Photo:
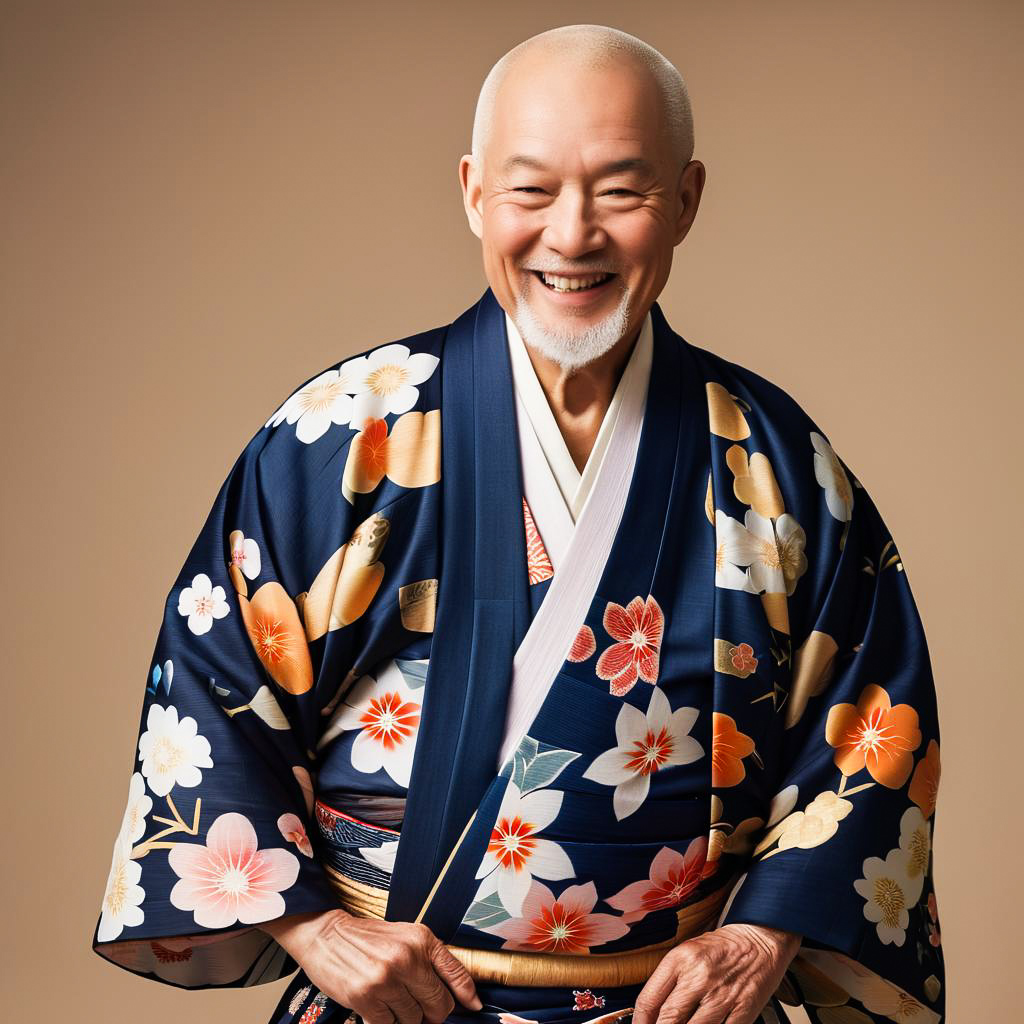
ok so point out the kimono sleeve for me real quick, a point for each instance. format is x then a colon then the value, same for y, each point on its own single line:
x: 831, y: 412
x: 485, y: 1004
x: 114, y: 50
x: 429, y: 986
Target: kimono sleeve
x: 215, y: 835
x: 846, y: 856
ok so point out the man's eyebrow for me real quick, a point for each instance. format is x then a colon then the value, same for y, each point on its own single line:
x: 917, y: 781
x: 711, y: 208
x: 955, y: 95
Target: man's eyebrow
x: 630, y: 163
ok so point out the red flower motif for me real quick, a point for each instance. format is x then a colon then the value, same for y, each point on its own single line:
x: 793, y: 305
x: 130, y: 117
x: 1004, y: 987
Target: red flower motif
x: 742, y: 657
x: 584, y: 645
x: 638, y: 629
x: 586, y: 1000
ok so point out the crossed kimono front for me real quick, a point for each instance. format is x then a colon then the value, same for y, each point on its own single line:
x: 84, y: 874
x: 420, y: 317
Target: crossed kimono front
x: 413, y: 666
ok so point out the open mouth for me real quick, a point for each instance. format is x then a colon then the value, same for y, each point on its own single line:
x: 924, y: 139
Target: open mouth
x: 564, y: 285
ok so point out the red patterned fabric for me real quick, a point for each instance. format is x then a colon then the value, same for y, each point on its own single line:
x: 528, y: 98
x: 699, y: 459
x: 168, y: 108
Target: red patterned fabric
x: 537, y: 561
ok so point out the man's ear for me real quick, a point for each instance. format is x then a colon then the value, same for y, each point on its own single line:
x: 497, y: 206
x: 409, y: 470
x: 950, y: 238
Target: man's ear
x: 472, y: 194
x: 691, y: 187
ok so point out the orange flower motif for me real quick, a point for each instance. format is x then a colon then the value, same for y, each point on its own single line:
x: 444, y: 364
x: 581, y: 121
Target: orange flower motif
x: 272, y: 622
x: 728, y: 748
x: 875, y: 735
x: 410, y: 456
x: 924, y: 786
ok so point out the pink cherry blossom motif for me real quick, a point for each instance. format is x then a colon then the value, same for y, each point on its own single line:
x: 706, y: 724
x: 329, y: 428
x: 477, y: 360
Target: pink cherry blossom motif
x: 291, y: 827
x: 638, y: 629
x: 230, y: 880
x: 584, y: 645
x: 673, y: 877
x: 562, y: 925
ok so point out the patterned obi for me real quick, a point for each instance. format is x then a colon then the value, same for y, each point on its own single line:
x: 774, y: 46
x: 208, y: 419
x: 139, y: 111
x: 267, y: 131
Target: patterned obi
x: 668, y: 893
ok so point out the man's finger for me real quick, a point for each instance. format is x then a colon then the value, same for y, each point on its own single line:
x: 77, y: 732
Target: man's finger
x: 454, y: 974
x: 404, y: 1005
x: 434, y: 998
x: 661, y: 982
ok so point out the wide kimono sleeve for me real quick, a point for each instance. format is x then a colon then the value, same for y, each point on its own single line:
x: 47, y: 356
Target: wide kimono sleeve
x: 279, y: 602
x: 845, y: 856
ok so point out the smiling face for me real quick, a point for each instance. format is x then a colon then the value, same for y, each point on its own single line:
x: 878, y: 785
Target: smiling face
x: 578, y: 181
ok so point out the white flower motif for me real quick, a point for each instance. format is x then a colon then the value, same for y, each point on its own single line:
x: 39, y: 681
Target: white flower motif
x: 123, y: 896
x: 646, y: 743
x: 916, y: 843
x: 382, y: 856
x: 386, y: 711
x: 732, y: 549
x: 387, y: 381
x: 245, y: 553
x: 202, y: 603
x: 829, y: 472
x: 324, y: 400
x: 878, y: 995
x: 172, y: 752
x: 133, y: 825
x: 515, y: 855
x: 774, y: 554
x: 886, y: 886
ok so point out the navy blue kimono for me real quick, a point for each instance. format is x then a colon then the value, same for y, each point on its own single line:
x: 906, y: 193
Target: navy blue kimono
x: 744, y: 726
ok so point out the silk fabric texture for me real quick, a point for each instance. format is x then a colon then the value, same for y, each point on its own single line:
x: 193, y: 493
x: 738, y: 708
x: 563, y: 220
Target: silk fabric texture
x: 748, y: 697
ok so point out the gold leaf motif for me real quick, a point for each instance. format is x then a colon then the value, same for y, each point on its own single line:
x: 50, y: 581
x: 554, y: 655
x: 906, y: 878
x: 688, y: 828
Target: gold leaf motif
x: 348, y: 581
x: 417, y: 603
x: 725, y: 416
x: 755, y: 483
x: 813, y: 666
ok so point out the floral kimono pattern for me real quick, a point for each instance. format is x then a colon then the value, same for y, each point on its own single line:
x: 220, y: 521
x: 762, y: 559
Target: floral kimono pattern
x: 744, y: 727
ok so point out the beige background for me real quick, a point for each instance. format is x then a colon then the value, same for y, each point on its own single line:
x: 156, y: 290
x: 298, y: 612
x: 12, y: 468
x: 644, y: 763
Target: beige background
x: 206, y: 203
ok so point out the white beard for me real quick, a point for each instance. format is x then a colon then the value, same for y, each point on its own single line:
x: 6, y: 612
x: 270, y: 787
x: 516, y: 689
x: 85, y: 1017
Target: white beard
x: 568, y: 348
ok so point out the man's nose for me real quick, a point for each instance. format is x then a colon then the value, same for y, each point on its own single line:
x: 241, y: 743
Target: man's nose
x: 573, y: 227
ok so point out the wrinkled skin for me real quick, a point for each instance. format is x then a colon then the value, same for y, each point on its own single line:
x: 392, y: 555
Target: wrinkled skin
x: 384, y: 970
x: 725, y: 976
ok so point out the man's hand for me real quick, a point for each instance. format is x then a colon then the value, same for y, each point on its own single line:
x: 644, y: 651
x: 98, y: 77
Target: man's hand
x: 386, y: 971
x: 725, y: 976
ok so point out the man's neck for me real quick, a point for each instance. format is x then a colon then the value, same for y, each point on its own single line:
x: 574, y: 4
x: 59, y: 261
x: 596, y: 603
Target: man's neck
x: 580, y: 398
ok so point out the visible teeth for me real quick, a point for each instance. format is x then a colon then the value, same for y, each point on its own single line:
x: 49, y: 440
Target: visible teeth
x: 572, y: 284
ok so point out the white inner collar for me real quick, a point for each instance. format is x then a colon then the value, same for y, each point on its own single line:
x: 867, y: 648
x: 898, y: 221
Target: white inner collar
x: 573, y: 485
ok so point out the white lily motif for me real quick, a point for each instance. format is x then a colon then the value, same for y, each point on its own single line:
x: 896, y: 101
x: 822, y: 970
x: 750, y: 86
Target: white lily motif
x: 646, y: 744
x: 383, y: 856
x: 515, y: 854
x: 386, y: 381
x: 386, y: 711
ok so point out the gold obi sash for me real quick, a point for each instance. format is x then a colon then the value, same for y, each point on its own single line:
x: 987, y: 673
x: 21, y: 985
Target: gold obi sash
x: 513, y: 967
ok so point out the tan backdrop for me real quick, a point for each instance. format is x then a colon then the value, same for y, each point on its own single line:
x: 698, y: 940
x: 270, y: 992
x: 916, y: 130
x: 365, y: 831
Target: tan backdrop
x: 206, y: 202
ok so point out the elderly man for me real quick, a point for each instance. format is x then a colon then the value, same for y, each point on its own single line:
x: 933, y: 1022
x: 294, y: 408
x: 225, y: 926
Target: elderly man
x: 543, y: 666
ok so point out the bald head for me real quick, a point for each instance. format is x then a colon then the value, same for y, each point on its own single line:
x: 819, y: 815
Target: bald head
x: 592, y: 48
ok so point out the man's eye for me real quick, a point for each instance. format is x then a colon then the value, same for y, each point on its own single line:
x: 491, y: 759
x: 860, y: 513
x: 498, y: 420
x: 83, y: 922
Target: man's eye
x: 528, y: 188
x: 624, y: 191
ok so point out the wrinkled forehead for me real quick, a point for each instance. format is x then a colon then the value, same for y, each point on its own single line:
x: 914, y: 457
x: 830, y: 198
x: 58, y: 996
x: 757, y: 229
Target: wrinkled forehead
x: 553, y: 106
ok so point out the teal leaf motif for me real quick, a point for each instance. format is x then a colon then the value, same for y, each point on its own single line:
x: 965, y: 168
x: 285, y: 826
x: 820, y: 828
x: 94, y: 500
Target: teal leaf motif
x: 486, y: 913
x: 532, y: 768
x: 414, y: 672
x: 545, y: 768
